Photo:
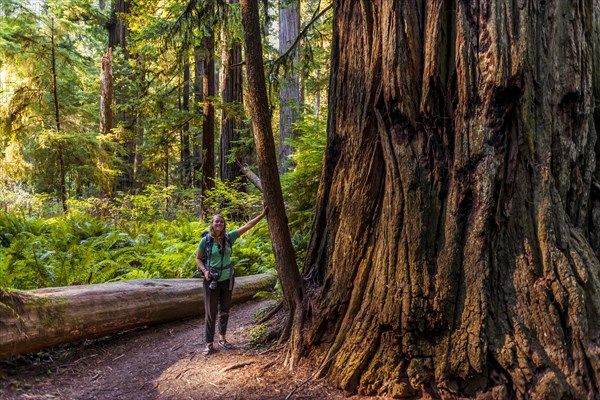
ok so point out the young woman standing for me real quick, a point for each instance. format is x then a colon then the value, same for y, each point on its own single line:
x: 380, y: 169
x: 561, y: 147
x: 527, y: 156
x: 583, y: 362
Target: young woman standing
x: 217, y: 297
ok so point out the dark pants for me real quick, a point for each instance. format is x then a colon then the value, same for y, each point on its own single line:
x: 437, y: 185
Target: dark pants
x: 216, y: 300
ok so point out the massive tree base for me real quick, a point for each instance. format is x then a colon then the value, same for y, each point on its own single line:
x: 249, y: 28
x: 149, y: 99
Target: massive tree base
x: 455, y: 245
x: 36, y: 319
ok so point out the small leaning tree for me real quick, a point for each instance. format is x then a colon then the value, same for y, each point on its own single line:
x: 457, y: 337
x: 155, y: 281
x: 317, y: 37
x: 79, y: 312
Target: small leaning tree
x: 258, y: 103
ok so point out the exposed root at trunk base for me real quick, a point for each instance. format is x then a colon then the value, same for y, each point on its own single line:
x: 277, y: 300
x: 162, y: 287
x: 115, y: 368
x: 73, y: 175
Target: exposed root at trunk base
x: 294, y: 344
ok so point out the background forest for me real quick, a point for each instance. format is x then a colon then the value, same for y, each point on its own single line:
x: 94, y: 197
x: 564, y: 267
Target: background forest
x: 123, y: 129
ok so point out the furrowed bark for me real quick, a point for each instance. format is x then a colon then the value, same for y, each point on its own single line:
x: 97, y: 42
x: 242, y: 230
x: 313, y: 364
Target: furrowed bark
x: 453, y: 248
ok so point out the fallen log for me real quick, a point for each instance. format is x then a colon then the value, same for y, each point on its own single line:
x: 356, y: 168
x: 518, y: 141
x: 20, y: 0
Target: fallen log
x: 36, y: 319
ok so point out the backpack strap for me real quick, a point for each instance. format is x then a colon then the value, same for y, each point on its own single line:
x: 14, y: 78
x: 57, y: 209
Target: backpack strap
x: 207, y: 249
x: 230, y: 266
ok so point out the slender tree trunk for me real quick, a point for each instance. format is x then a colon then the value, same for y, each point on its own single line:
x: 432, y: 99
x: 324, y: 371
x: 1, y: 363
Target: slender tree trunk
x: 106, y: 102
x: 451, y: 250
x: 118, y: 34
x: 61, y: 157
x: 208, y: 126
x: 231, y: 95
x: 139, y: 155
x: 285, y: 259
x: 167, y: 166
x: 106, y: 97
x: 186, y: 154
x: 318, y: 98
x: 289, y: 88
x: 198, y: 99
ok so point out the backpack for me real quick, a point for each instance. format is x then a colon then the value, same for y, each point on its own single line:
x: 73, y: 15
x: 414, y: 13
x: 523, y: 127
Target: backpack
x: 206, y: 256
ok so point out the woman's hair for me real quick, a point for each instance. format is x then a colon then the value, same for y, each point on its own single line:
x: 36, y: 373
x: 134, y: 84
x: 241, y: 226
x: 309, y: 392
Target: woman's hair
x: 212, y: 230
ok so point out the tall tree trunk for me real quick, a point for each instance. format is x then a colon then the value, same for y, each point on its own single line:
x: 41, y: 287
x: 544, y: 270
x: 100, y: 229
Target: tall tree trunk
x: 231, y: 95
x: 289, y: 88
x: 285, y: 258
x: 317, y: 97
x: 118, y: 34
x: 60, y: 150
x: 139, y: 156
x: 186, y: 154
x: 106, y: 97
x: 198, y: 99
x: 106, y: 102
x: 208, y: 126
x: 167, y: 166
x: 451, y: 251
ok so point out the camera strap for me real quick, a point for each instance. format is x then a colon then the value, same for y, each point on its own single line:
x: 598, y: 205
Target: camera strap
x: 208, y: 248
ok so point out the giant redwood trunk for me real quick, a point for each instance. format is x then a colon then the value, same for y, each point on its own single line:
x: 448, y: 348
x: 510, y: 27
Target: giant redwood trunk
x: 452, y: 252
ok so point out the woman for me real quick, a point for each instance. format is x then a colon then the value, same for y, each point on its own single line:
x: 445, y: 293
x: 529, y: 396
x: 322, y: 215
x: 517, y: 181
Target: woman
x: 217, y: 297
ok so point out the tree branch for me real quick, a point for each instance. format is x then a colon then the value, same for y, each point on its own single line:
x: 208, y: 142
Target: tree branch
x: 252, y: 177
x: 300, y: 36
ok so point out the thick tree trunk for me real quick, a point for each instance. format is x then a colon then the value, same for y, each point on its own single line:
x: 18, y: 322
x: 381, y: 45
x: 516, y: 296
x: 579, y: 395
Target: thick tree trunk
x: 289, y: 87
x: 231, y: 95
x: 451, y: 247
x: 285, y: 258
x: 36, y: 319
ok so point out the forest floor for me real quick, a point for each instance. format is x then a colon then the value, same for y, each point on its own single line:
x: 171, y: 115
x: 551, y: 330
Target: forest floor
x: 164, y: 362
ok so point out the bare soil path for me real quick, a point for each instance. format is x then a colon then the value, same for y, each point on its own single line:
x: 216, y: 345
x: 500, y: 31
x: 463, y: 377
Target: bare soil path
x: 162, y: 362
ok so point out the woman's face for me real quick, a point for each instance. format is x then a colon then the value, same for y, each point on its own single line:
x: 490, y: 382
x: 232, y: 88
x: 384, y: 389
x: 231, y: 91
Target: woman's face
x: 218, y: 224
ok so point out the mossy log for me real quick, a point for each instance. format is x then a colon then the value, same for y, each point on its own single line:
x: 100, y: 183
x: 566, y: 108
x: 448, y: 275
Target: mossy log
x: 36, y: 319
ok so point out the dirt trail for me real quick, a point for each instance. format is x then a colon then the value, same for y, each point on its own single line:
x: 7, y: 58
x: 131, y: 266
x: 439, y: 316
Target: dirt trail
x: 162, y: 362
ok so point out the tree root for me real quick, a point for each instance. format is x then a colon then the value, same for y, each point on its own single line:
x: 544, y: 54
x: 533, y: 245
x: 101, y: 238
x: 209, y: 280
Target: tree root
x: 270, y: 314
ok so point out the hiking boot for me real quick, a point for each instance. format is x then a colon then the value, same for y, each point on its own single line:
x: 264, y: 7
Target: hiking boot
x: 209, y: 349
x: 226, y: 345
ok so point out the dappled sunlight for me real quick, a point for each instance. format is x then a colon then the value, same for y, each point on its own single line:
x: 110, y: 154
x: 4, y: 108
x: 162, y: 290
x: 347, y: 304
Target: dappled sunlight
x: 230, y: 375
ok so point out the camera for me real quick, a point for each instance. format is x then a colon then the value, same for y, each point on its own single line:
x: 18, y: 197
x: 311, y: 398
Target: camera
x: 214, y: 277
